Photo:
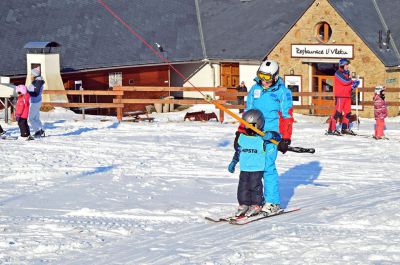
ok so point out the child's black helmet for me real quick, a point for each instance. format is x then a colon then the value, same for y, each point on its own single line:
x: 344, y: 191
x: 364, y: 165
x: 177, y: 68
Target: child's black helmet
x: 255, y: 118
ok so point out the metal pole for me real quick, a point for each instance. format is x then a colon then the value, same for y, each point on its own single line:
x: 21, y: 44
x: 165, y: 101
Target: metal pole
x: 358, y: 119
x: 6, y: 110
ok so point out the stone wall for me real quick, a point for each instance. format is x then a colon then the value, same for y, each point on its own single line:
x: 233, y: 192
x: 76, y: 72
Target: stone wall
x: 365, y: 63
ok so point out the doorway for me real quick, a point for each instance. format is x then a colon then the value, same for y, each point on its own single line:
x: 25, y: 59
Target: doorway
x: 230, y: 75
x: 323, y: 75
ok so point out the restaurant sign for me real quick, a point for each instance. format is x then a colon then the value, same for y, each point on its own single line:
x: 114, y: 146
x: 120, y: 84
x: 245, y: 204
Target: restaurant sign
x: 322, y: 51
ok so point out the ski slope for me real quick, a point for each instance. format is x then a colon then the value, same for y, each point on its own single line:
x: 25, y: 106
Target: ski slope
x: 99, y: 192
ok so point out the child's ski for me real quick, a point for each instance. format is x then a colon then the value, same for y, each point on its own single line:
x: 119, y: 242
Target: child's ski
x: 223, y: 219
x: 262, y: 215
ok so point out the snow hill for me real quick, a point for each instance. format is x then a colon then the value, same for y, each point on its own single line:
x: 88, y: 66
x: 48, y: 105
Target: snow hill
x: 98, y: 192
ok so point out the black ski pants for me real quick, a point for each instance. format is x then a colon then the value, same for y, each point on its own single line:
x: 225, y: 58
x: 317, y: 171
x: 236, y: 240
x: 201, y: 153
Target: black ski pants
x: 250, y: 188
x: 24, y: 127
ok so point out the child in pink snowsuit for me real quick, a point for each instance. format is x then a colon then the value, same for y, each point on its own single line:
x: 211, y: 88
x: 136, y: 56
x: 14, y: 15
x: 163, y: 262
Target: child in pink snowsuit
x: 22, y: 112
x: 380, y: 111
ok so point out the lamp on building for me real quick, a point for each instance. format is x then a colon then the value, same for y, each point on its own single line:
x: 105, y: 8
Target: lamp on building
x: 291, y: 72
x: 353, y: 74
x: 160, y: 48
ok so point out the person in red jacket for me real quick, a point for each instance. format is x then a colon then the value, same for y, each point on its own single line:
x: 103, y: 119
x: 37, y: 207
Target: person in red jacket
x: 343, y: 85
x: 22, y: 112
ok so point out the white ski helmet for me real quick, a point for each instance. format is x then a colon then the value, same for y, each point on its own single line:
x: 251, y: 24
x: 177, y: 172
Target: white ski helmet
x: 268, y: 70
x: 255, y: 118
x: 379, y: 89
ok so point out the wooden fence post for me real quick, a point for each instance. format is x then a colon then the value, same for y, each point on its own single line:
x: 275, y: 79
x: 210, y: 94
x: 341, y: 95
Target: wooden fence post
x: 119, y: 109
x: 221, y: 116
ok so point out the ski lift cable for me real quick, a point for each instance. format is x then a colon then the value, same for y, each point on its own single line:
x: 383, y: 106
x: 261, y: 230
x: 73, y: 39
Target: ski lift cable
x: 208, y: 98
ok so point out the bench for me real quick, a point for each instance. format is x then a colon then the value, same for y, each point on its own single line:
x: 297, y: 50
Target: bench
x: 135, y: 116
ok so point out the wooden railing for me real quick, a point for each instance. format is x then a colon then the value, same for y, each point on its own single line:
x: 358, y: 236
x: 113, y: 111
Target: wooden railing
x: 83, y: 93
x: 118, y: 100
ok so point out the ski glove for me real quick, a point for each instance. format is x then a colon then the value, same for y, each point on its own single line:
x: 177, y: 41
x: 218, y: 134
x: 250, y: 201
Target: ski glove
x: 17, y: 117
x: 272, y: 135
x: 355, y: 84
x: 283, y: 145
x: 232, y: 165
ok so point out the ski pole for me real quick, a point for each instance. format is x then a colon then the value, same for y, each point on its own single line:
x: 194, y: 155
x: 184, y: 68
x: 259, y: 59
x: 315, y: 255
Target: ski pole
x: 221, y: 107
x: 358, y: 119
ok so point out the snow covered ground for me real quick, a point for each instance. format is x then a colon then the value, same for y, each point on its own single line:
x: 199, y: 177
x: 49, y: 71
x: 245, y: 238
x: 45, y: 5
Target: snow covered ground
x: 99, y: 192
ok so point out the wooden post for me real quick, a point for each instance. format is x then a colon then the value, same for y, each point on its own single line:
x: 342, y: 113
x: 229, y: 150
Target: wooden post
x: 83, y: 108
x: 221, y: 116
x: 119, y: 109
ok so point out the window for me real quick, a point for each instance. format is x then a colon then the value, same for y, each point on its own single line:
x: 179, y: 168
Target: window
x: 293, y: 82
x: 323, y: 32
x: 115, y: 79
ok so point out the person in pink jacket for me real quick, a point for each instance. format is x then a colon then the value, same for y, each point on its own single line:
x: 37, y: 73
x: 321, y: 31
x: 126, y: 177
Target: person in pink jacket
x: 22, y: 112
x: 380, y: 111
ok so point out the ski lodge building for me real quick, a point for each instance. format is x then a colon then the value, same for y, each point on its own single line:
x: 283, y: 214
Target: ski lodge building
x: 212, y: 43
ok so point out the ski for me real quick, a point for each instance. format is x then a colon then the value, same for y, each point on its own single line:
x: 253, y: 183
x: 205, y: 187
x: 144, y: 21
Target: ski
x: 262, y: 215
x: 333, y: 134
x: 223, y: 219
x: 8, y: 137
x: 297, y: 149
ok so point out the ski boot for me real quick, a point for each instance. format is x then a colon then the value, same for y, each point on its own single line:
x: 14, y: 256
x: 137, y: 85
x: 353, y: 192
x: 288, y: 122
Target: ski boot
x: 335, y: 132
x: 253, y: 210
x: 348, y: 131
x: 39, y: 133
x: 241, y: 210
x: 2, y: 133
x: 26, y: 138
x: 271, y: 209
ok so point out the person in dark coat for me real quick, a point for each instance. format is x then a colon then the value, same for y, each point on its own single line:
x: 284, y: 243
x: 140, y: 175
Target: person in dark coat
x: 2, y: 131
x: 35, y: 90
x: 240, y: 99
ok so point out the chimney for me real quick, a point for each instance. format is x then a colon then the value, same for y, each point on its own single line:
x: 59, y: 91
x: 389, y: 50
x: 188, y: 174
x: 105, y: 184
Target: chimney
x: 46, y: 56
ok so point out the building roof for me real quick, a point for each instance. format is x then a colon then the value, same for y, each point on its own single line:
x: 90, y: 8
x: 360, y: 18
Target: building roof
x: 91, y: 38
x: 235, y: 29
x: 367, y: 18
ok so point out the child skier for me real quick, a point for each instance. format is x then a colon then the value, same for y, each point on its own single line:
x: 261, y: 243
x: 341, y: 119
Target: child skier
x: 22, y: 112
x: 380, y: 111
x: 250, y: 152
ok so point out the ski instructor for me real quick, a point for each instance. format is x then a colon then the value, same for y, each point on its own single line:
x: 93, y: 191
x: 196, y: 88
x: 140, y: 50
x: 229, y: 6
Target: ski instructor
x: 270, y: 95
x: 343, y: 85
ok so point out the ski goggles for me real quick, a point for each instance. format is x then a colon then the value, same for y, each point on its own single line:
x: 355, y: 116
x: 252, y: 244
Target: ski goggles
x: 265, y: 77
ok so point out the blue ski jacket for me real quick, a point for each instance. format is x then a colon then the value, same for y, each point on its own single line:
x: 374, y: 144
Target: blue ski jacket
x: 252, y: 153
x: 271, y: 101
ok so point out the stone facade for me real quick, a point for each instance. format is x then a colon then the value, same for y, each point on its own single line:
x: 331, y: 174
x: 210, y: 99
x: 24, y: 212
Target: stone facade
x: 365, y: 63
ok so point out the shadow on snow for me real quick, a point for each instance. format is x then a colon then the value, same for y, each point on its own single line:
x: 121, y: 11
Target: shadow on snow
x: 304, y: 174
